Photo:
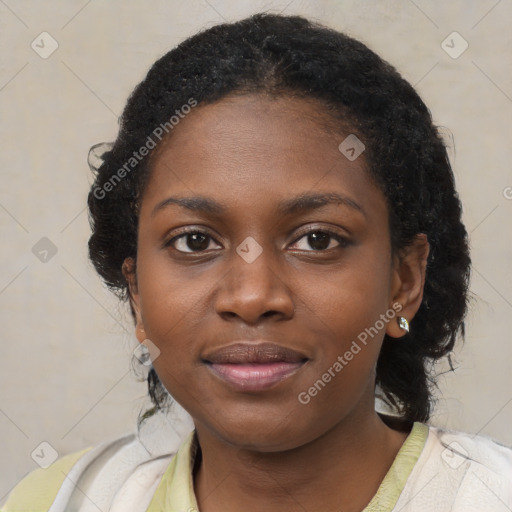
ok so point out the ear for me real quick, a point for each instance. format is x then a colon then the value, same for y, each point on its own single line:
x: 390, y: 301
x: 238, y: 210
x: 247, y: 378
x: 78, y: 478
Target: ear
x: 408, y: 280
x: 129, y: 270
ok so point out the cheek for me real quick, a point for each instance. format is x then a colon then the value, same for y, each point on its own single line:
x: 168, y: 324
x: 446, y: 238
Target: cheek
x: 348, y: 314
x: 349, y: 301
x: 351, y: 335
x: 172, y: 301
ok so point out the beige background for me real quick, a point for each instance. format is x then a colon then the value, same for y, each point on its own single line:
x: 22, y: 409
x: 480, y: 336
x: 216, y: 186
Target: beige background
x: 66, y: 343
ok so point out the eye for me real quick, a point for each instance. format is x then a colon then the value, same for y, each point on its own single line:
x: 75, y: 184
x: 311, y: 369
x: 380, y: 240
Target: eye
x: 320, y: 240
x: 192, y: 241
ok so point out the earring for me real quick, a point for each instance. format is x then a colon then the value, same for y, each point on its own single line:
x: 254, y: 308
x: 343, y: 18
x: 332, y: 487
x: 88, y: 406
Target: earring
x: 403, y: 323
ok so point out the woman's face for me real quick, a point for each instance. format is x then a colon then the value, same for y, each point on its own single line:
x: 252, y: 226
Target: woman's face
x: 288, y: 245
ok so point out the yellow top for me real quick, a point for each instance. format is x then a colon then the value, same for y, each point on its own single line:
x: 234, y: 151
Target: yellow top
x: 175, y: 492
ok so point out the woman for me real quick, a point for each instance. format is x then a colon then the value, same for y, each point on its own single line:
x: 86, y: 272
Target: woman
x: 280, y: 213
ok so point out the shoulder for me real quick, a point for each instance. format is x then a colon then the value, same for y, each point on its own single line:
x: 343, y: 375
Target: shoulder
x: 122, y: 466
x: 482, y: 451
x: 37, y: 491
x: 130, y: 466
x: 459, y: 472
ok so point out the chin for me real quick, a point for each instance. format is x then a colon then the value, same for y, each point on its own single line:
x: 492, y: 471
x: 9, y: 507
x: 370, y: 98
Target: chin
x: 264, y: 433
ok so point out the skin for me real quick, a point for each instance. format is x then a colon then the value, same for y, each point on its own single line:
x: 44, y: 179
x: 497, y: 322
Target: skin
x: 265, y: 450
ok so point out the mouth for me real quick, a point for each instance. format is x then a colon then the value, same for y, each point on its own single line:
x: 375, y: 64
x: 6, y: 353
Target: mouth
x: 254, y: 367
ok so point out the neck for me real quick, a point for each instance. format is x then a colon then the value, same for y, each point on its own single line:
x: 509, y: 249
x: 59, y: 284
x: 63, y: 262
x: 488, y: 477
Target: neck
x: 340, y: 470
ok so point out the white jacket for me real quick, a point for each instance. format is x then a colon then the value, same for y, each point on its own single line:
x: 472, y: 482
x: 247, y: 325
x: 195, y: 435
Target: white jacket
x: 455, y: 472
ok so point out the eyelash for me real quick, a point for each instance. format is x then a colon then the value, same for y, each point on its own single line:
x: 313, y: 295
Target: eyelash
x: 342, y: 241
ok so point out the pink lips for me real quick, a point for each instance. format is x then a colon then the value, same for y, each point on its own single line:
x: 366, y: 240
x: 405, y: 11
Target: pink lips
x: 254, y: 367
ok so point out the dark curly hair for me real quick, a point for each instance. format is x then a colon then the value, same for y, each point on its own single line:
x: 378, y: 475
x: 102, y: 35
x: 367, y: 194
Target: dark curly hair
x: 289, y: 55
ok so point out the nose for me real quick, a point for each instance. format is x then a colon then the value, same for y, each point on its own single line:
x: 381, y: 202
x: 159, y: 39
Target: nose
x: 254, y: 291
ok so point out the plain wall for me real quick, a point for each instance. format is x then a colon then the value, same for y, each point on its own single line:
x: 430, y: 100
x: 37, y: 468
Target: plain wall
x: 65, y: 365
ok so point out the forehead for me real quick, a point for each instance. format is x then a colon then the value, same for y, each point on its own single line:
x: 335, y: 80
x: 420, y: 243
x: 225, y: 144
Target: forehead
x: 246, y: 145
x: 251, y: 121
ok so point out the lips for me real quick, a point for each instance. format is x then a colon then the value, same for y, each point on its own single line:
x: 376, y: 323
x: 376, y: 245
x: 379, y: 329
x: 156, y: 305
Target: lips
x: 254, y: 366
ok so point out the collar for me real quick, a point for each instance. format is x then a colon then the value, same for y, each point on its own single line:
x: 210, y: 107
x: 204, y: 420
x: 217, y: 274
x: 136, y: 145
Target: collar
x: 175, y: 493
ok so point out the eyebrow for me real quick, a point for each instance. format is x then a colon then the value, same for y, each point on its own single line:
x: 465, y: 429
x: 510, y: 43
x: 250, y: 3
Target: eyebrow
x: 301, y: 203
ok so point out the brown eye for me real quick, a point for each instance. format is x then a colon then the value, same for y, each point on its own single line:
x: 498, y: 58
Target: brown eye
x: 320, y: 240
x: 191, y: 242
